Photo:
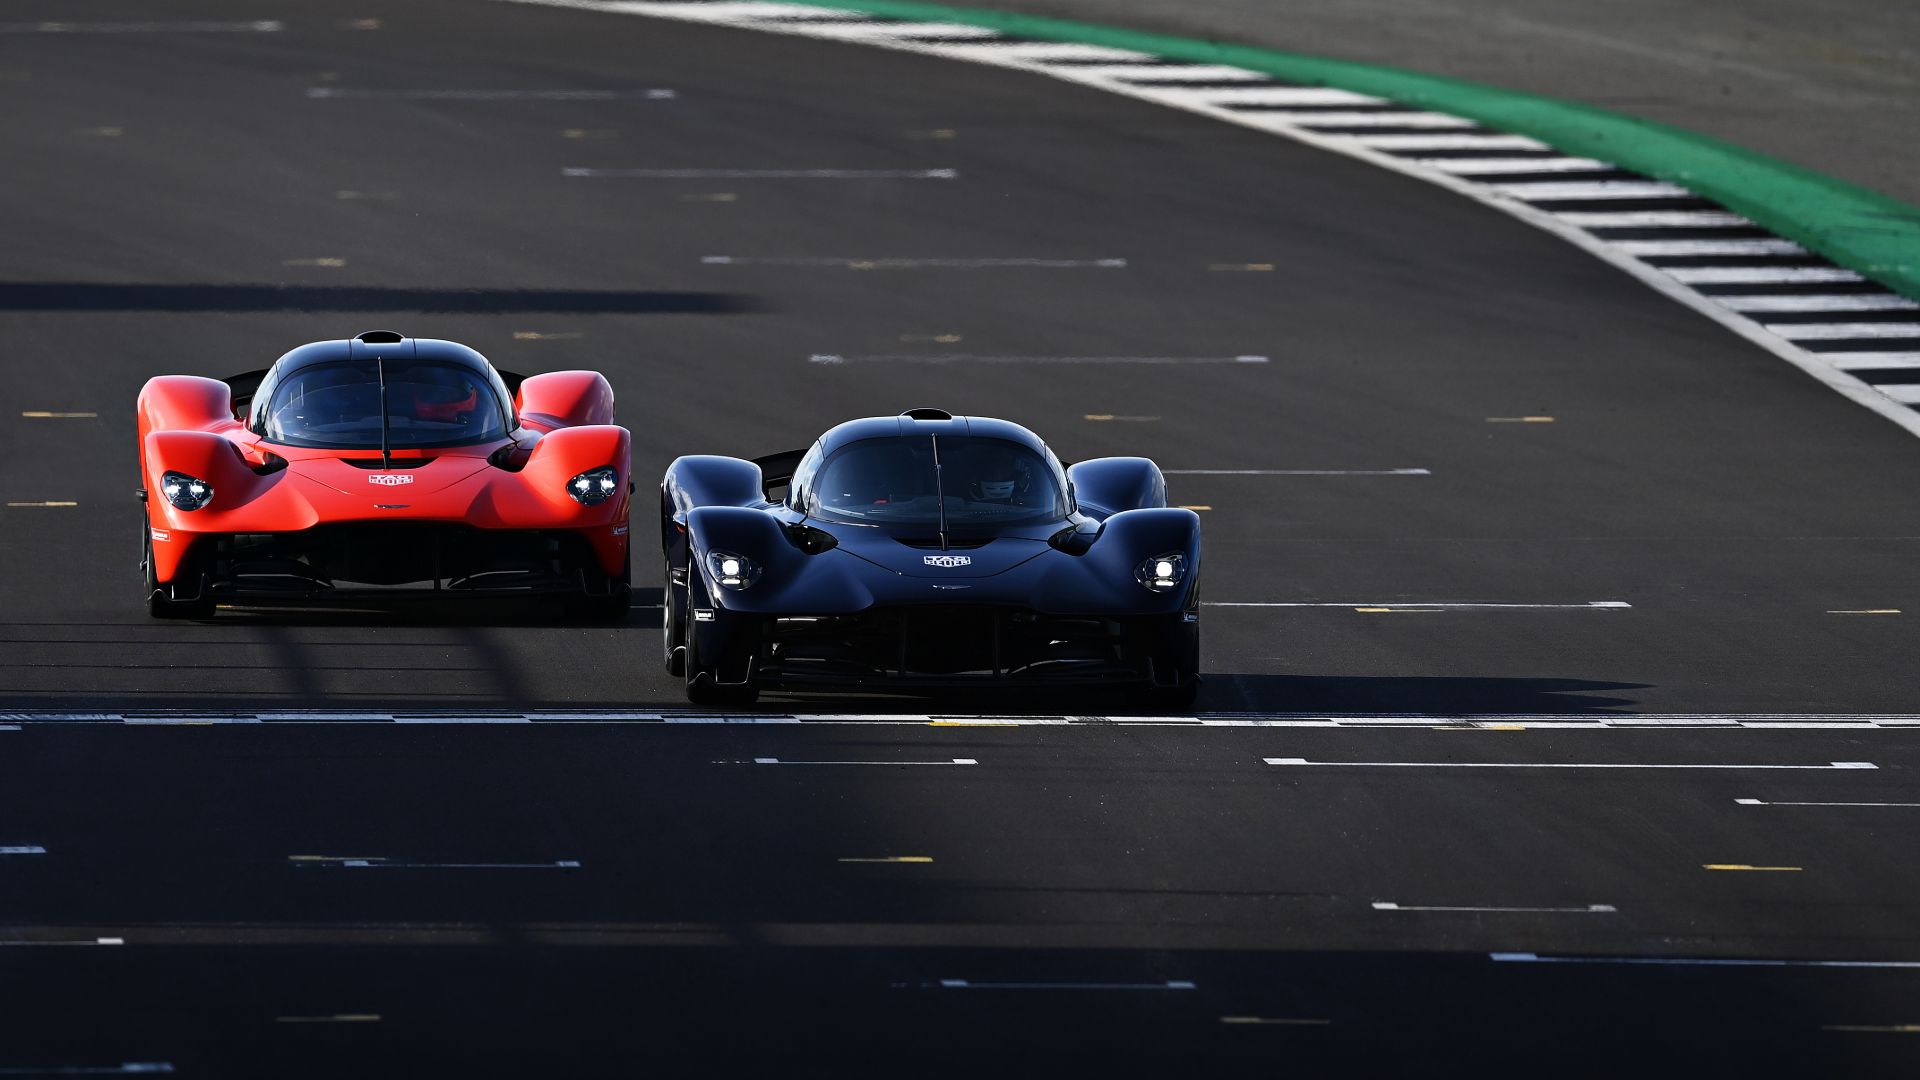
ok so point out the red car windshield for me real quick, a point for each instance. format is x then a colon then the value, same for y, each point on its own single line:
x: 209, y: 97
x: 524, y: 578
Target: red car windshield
x: 356, y: 405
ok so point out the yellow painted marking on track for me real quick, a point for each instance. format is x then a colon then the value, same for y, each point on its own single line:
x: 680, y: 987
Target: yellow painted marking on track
x: 589, y: 133
x: 368, y: 196
x: 1519, y: 419
x: 1891, y: 1029
x: 1479, y: 727
x: 108, y: 131
x: 40, y: 414
x: 544, y: 335
x: 360, y: 24
x: 973, y: 723
x: 712, y: 196
x: 1102, y: 417
x: 1196, y: 507
x: 942, y: 339
x: 1241, y: 268
x: 1397, y: 611
x: 1290, y: 1021
x: 326, y: 261
x: 45, y: 503
x: 1744, y: 866
x: 1867, y: 611
x: 336, y: 1018
x: 892, y: 859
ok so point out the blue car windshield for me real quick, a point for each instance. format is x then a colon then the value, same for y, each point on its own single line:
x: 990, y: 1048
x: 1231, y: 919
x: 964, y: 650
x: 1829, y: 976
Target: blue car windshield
x: 984, y: 481
x: 427, y: 404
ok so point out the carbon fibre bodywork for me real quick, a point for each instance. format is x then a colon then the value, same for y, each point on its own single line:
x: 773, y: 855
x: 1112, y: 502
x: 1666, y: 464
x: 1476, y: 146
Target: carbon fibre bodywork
x: 1057, y: 597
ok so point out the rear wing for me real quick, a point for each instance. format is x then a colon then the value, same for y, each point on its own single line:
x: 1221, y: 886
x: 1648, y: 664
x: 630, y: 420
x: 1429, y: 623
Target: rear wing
x: 776, y: 470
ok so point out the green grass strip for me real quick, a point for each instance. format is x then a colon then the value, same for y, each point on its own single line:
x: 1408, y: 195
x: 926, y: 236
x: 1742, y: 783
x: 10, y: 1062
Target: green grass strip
x: 1857, y: 228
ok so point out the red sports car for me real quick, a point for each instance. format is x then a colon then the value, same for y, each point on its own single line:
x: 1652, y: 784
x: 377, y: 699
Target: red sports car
x: 379, y: 467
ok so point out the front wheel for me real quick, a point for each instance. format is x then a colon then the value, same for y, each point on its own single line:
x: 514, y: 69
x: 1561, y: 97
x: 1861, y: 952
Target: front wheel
x: 673, y: 623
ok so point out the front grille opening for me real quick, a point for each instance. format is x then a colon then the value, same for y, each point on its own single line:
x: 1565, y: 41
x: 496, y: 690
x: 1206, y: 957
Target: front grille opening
x: 396, y: 463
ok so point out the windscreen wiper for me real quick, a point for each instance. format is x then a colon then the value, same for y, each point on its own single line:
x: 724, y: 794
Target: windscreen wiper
x: 939, y: 491
x: 386, y: 453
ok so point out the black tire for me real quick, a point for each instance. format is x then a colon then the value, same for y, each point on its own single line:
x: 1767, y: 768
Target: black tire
x: 701, y: 689
x: 160, y: 602
x: 673, y: 624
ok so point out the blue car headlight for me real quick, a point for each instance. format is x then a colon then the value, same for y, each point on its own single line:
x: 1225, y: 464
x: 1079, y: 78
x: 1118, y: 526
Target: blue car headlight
x: 732, y: 571
x: 595, y: 486
x: 1163, y: 573
x: 185, y: 492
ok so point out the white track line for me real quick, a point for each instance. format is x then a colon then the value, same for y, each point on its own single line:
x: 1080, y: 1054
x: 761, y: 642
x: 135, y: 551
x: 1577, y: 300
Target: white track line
x: 23, y: 849
x: 88, y: 943
x: 966, y: 984
x: 1842, y: 331
x: 856, y: 262
x: 1654, y: 219
x: 1493, y: 166
x: 969, y: 358
x: 1819, y: 302
x: 1584, y: 909
x: 1694, y: 961
x: 1837, y: 765
x: 323, y: 93
x: 764, y: 174
x: 1403, y: 720
x: 261, y: 26
x: 1869, y: 361
x: 1760, y: 275
x: 1145, y: 75
x: 1755, y: 246
x: 1262, y: 95
x: 1445, y: 142
x: 384, y: 864
x: 1042, y: 51
x: 1758, y: 802
x: 778, y: 761
x: 1598, y: 189
x: 1591, y: 605
x: 1296, y: 472
x: 1310, y: 120
x: 857, y: 31
x: 129, y: 1068
x: 1904, y: 393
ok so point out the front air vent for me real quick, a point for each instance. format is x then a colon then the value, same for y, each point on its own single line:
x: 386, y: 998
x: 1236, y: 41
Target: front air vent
x: 956, y: 543
x: 380, y: 337
x: 927, y: 414
x: 396, y: 463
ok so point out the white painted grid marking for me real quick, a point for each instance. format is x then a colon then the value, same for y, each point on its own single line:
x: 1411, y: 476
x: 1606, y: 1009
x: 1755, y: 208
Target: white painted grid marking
x: 1296, y: 472
x: 1594, y: 721
x: 1831, y: 766
x: 1489, y: 141
x: 1583, y: 909
x: 1263, y: 95
x: 1695, y: 961
x: 763, y: 174
x: 1740, y: 246
x: 1842, y: 331
x: 259, y: 26
x: 337, y: 93
x: 1867, y: 361
x: 972, y: 358
x: 860, y: 262
x: 1758, y: 802
x: 1311, y: 120
x: 1494, y: 166
x: 1820, y: 302
x: 1760, y: 275
x: 966, y: 984
x: 1448, y: 605
x: 1598, y: 189
x: 1654, y: 219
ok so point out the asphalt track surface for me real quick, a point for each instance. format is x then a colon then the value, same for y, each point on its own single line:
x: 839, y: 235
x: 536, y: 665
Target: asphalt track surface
x: 1100, y: 896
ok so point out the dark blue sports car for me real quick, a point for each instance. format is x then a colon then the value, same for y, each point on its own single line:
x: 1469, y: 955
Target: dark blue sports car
x: 927, y: 550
